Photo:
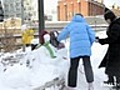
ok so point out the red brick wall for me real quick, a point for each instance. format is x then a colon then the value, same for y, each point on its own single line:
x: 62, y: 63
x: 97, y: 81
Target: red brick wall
x: 67, y: 8
x: 84, y: 7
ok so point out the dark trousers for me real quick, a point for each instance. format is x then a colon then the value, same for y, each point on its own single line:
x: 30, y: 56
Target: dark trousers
x: 72, y: 75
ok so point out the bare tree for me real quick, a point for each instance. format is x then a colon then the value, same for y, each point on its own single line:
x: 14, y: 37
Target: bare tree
x: 9, y: 41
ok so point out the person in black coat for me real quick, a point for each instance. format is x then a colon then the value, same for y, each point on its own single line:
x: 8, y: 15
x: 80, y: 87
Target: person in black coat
x: 111, y: 61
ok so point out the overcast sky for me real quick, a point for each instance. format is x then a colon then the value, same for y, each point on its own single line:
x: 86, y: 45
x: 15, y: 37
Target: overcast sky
x: 111, y: 2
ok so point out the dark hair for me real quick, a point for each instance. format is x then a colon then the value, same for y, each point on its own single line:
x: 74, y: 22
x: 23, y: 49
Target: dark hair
x: 79, y: 14
x: 42, y: 33
x: 53, y: 38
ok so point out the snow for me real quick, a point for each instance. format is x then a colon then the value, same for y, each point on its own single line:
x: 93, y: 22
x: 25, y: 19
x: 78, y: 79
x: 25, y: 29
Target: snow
x: 35, y: 68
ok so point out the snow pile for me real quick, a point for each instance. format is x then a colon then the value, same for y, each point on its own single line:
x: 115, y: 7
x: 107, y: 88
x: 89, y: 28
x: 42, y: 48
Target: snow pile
x: 34, y: 69
x: 16, y: 76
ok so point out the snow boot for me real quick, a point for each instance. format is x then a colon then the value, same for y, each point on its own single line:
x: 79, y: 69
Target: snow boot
x: 117, y: 80
x: 117, y: 86
x: 69, y: 88
x: 90, y: 86
x: 110, y: 81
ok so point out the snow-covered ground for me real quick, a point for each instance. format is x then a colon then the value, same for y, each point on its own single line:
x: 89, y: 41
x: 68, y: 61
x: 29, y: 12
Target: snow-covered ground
x: 40, y: 69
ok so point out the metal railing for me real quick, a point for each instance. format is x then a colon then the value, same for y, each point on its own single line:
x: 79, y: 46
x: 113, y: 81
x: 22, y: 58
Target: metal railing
x: 51, y: 27
x: 55, y: 83
x: 58, y: 27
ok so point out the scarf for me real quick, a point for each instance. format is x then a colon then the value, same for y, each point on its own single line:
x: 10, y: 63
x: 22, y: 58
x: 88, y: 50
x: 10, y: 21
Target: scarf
x: 48, y: 48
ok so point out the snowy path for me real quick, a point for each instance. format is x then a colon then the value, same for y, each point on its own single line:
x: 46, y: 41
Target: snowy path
x: 99, y: 75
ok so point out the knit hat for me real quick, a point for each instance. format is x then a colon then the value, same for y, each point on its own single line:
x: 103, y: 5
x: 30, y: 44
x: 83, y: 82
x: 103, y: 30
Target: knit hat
x: 42, y: 33
x: 108, y: 14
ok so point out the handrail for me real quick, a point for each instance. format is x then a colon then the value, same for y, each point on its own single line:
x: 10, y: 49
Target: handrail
x: 55, y: 82
x: 50, y: 28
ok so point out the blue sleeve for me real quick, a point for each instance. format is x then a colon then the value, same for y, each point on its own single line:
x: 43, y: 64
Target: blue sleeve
x: 91, y: 34
x: 64, y: 33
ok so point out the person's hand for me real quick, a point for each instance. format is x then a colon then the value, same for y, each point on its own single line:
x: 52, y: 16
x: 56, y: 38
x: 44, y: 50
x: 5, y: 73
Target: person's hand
x: 101, y: 41
x: 97, y: 39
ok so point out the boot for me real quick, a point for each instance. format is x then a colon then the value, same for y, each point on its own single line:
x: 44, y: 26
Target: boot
x: 69, y: 88
x: 90, y: 86
x: 110, y: 80
x: 118, y: 82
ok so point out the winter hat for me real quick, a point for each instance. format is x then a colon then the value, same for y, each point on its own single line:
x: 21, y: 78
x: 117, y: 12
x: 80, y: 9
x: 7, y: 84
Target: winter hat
x: 42, y: 33
x: 24, y: 27
x: 109, y: 14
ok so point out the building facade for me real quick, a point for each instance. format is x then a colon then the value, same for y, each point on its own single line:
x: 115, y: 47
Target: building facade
x: 13, y: 8
x: 67, y: 8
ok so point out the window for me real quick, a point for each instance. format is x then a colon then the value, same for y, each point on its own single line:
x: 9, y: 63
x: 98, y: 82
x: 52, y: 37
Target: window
x: 17, y: 4
x: 58, y: 13
x: 18, y: 15
x: 79, y: 6
x: 72, y: 5
x: 66, y: 18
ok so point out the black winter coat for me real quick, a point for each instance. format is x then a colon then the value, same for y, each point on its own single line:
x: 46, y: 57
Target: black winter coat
x: 112, y: 56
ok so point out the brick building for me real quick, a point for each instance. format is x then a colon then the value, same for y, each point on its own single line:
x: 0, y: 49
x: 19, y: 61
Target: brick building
x: 67, y: 8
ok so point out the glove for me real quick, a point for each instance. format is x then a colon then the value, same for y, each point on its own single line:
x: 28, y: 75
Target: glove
x: 101, y: 41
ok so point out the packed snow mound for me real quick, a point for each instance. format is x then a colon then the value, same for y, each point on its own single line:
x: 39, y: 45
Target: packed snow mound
x: 16, y: 76
x: 35, y: 69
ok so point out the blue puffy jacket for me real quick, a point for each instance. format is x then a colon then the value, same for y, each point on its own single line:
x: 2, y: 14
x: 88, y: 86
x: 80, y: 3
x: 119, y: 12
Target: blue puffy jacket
x: 81, y: 37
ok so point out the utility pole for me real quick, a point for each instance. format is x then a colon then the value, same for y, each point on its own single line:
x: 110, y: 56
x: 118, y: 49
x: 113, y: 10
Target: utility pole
x: 22, y: 12
x: 41, y: 15
x: 1, y: 13
x: 22, y: 19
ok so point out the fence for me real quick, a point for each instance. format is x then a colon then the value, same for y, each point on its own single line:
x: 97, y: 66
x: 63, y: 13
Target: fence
x: 56, y: 83
x: 49, y: 27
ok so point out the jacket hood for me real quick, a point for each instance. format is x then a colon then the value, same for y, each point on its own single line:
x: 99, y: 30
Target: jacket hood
x: 78, y: 18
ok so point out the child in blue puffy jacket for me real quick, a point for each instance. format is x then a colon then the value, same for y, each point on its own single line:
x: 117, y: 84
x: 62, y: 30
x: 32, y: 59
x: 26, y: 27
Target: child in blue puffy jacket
x: 81, y: 39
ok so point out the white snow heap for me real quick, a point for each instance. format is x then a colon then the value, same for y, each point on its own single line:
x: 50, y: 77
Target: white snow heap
x: 16, y: 76
x: 35, y: 41
x: 46, y: 37
x: 45, y: 69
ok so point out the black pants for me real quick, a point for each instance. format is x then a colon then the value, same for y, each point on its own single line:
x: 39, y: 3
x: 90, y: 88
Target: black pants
x: 72, y: 75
